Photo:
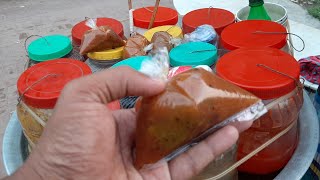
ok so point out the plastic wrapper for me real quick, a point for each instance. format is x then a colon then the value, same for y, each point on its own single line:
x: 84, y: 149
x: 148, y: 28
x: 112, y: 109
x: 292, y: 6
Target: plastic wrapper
x: 161, y: 39
x: 99, y: 39
x: 135, y: 46
x: 203, y: 33
x: 180, y: 69
x: 193, y: 105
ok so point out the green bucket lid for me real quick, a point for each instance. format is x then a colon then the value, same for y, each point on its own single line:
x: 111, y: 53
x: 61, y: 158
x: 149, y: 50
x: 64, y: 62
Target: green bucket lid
x: 49, y: 47
x: 193, y: 53
x: 133, y: 62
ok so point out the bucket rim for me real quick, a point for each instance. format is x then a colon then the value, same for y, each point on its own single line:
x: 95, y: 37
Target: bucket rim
x: 279, y: 20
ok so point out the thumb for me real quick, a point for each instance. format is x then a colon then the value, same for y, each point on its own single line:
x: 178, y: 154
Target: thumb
x: 112, y: 84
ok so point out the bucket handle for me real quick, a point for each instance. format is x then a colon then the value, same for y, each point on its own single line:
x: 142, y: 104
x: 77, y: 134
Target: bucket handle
x: 287, y: 33
x: 25, y: 42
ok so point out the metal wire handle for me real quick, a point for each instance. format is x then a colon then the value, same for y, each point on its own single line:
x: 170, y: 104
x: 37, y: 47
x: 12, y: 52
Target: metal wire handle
x: 35, y: 83
x: 287, y: 33
x: 298, y: 84
x: 25, y: 42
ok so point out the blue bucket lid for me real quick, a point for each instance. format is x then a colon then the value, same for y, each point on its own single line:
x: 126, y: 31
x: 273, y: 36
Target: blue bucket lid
x: 193, y: 53
x: 133, y: 62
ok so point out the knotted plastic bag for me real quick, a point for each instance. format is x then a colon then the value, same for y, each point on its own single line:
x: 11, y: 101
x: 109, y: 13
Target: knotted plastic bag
x: 135, y: 46
x: 99, y: 39
x: 204, y: 33
x: 193, y: 105
x: 161, y: 39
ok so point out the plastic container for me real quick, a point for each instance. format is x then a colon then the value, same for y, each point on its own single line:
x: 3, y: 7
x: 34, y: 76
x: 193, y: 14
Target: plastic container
x: 193, y: 53
x: 142, y: 17
x: 39, y: 88
x: 269, y: 74
x: 277, y: 13
x: 218, y: 18
x: 51, y: 47
x: 81, y: 28
x: 255, y: 33
x: 174, y: 31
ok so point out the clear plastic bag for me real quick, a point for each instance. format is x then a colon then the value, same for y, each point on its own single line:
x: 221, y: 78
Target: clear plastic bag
x: 99, y: 39
x: 204, y: 33
x: 193, y: 105
x: 135, y: 46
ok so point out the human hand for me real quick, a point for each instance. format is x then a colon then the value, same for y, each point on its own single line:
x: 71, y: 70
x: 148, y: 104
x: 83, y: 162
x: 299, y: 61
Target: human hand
x: 85, y: 140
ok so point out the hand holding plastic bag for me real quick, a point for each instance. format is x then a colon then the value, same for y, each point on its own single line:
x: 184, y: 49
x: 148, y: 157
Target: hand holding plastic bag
x: 194, y: 104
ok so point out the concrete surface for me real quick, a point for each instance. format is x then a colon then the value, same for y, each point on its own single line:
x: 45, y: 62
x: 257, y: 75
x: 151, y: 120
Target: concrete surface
x: 21, y: 18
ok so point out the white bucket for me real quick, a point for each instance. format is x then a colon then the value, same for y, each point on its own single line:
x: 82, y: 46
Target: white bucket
x: 277, y: 13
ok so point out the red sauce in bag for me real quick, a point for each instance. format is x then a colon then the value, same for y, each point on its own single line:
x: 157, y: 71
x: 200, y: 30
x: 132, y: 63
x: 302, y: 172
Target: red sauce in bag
x: 192, y: 102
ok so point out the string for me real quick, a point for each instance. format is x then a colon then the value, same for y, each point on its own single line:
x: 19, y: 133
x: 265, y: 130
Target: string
x: 281, y: 73
x: 35, y: 83
x: 250, y: 155
x: 287, y: 33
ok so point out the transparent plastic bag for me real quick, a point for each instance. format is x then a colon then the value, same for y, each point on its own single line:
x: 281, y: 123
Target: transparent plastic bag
x: 99, y: 39
x: 204, y: 33
x: 161, y: 39
x: 193, y: 105
x: 135, y: 46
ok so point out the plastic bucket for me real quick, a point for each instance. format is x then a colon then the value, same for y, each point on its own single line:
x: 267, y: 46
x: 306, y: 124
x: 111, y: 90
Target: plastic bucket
x: 278, y: 14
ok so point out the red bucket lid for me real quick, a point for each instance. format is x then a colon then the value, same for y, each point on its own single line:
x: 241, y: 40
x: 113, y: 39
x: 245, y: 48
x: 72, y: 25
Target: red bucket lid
x: 165, y: 16
x: 79, y: 29
x: 217, y: 18
x: 43, y: 82
x: 240, y: 67
x: 242, y: 34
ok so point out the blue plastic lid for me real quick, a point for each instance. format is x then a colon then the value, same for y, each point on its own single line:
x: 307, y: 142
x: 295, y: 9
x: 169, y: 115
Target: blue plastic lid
x: 133, y: 62
x: 193, y: 53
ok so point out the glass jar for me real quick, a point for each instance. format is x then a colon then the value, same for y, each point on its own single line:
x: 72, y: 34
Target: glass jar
x: 142, y: 16
x: 255, y: 33
x: 51, y: 47
x: 39, y: 88
x: 273, y: 76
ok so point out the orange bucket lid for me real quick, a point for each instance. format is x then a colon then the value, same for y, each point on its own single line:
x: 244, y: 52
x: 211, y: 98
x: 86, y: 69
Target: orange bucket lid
x: 164, y: 16
x: 250, y: 69
x: 254, y: 33
x: 217, y: 18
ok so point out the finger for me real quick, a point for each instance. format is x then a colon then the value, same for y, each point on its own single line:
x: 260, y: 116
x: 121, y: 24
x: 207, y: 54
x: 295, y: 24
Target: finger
x: 197, y: 158
x: 242, y: 126
x: 113, y: 84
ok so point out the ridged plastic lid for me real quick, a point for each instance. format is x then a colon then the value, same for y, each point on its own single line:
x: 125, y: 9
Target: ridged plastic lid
x: 49, y: 47
x: 165, y: 16
x: 107, y: 55
x: 249, y: 34
x: 174, y: 31
x: 41, y: 84
x: 81, y: 28
x: 133, y: 62
x: 193, y: 53
x: 253, y: 69
x: 217, y: 18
